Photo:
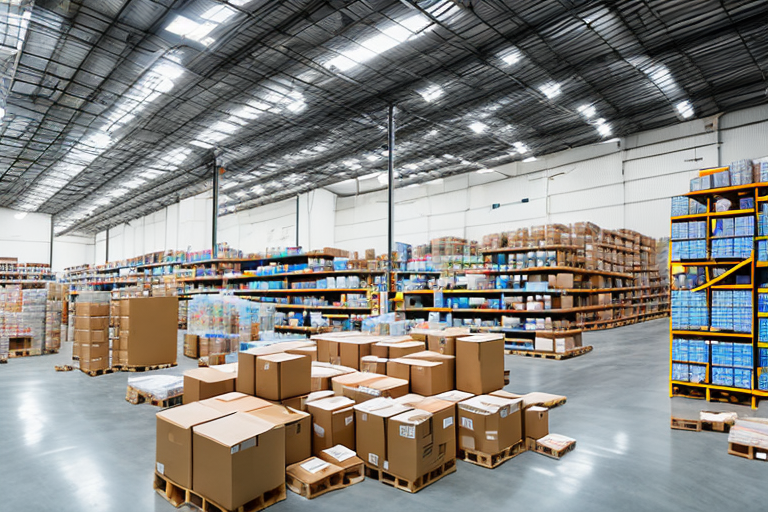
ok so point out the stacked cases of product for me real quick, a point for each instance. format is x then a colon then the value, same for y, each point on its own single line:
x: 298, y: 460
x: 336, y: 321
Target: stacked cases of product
x: 717, y: 351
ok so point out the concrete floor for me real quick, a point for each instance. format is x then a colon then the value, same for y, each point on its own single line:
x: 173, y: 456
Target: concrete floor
x: 71, y: 442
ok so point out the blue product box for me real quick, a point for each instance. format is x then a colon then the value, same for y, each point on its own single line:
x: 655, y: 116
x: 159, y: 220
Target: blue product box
x: 680, y: 372
x: 695, y: 185
x: 722, y: 376
x: 742, y: 355
x: 762, y: 379
x: 746, y: 203
x: 695, y: 207
x: 722, y: 354
x: 679, y: 206
x: 698, y: 373
x: 762, y: 357
x: 721, y: 179
x: 742, y: 378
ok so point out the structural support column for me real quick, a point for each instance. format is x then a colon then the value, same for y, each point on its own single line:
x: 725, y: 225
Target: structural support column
x: 297, y: 223
x: 106, y: 248
x: 390, y: 198
x: 50, y: 254
x: 215, y: 212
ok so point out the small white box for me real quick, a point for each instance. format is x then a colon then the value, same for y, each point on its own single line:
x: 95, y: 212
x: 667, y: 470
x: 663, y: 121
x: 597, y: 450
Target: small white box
x: 544, y: 344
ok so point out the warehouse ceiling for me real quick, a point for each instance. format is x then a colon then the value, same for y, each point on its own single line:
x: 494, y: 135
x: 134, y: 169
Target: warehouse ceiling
x: 116, y: 108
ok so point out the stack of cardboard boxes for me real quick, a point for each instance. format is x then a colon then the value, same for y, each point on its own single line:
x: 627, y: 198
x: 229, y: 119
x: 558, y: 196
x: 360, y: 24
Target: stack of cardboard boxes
x: 408, y: 432
x: 92, y: 336
x: 147, y: 335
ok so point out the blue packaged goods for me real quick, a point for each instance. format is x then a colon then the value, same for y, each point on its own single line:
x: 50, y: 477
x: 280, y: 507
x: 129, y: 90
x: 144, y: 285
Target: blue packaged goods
x: 762, y: 172
x: 762, y: 250
x: 762, y: 356
x: 762, y: 379
x: 680, y: 350
x: 695, y: 207
x: 698, y: 351
x: 679, y: 206
x: 722, y: 376
x: 721, y: 179
x: 742, y: 378
x: 698, y: 374
x: 742, y: 355
x: 722, y: 354
x: 680, y: 372
x: 744, y: 226
x: 695, y: 184
x: 762, y: 329
x: 746, y: 203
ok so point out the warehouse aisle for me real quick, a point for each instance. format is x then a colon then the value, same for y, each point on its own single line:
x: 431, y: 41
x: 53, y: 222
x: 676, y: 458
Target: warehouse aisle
x: 78, y: 439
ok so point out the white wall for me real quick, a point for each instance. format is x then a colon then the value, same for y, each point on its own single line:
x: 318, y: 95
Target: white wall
x: 28, y: 239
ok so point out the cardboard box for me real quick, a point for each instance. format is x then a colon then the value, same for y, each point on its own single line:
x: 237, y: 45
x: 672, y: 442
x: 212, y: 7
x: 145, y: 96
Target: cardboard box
x: 333, y: 422
x: 564, y: 280
x: 399, y: 368
x: 373, y: 364
x: 91, y: 309
x: 95, y: 336
x: 480, y: 363
x: 371, y: 429
x: 152, y: 337
x: 237, y: 459
x: 90, y: 351
x: 173, y: 453
x: 91, y: 323
x: 246, y: 362
x: 536, y: 422
x: 202, y: 383
x: 490, y: 424
x: 444, y: 342
x: 125, y: 323
x: 310, y: 352
x: 444, y: 424
x: 386, y: 387
x: 410, y: 437
x: 95, y: 363
x: 281, y: 376
x: 235, y: 402
x: 352, y: 350
x: 341, y: 456
x: 191, y: 345
x: 402, y: 349
x: 448, y: 360
x: 311, y: 472
x: 427, y: 378
x: 543, y: 345
x: 298, y: 428
x: 345, y: 385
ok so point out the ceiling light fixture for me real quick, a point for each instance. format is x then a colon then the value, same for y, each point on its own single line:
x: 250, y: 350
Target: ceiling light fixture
x: 685, y: 109
x: 484, y: 171
x: 550, y: 90
x: 529, y: 159
x: 431, y: 93
x: 521, y: 148
x: 20, y: 215
x: 587, y: 111
x: 478, y: 127
x: 511, y: 56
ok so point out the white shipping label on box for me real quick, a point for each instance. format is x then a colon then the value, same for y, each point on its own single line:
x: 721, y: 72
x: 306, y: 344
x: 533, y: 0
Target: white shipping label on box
x: 467, y: 423
x: 234, y: 449
x: 408, y: 431
x: 319, y: 431
x: 340, y: 452
x: 761, y: 456
x: 386, y: 464
x: 447, y: 422
x: 314, y: 465
x: 160, y: 468
x: 373, y: 459
x: 504, y: 412
x: 364, y: 416
x: 250, y: 443
x: 491, y: 435
x: 349, y: 419
x: 266, y: 366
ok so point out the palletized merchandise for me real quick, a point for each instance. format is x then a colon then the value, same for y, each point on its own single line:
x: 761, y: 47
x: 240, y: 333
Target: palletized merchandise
x: 680, y: 372
x: 762, y: 172
x: 721, y: 179
x: 722, y: 354
x: 679, y: 206
x: 689, y: 309
x: 762, y: 329
x: 762, y: 250
x: 744, y: 226
x: 762, y: 378
x: 741, y: 172
x: 742, y: 355
x: 680, y: 350
x: 698, y: 351
x: 698, y: 373
x: 722, y: 376
x: 742, y: 378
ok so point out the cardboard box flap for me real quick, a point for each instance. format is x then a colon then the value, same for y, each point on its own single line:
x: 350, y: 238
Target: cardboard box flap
x: 187, y: 416
x: 373, y: 359
x: 340, y: 453
x: 386, y: 383
x: 454, y: 396
x: 402, y: 344
x: 230, y: 368
x: 433, y: 405
x: 536, y: 408
x: 487, y: 404
x: 543, y: 399
x: 338, y: 367
x: 312, y: 470
x: 318, y: 395
x: 396, y: 339
x: 234, y: 429
x: 333, y: 403
x: 413, y: 417
x: 482, y: 338
x: 279, y: 414
x: 235, y: 402
x: 209, y: 375
x: 383, y: 407
x: 428, y: 355
x: 278, y: 358
x: 408, y: 399
x: 505, y: 394
x: 277, y: 348
x: 417, y: 362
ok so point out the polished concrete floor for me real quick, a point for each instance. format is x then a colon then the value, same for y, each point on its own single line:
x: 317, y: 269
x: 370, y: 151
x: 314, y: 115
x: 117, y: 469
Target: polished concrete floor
x: 71, y: 442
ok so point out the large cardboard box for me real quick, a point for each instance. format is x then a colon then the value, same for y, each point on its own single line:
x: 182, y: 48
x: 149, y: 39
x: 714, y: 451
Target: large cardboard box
x: 281, y: 376
x: 353, y: 349
x: 393, y: 350
x: 410, y: 437
x: 91, y: 323
x: 480, y: 363
x: 371, y: 429
x: 173, y: 453
x: 310, y: 352
x: 192, y: 345
x: 373, y: 364
x: 90, y: 351
x: 246, y: 363
x: 154, y: 323
x: 333, y: 422
x: 536, y: 422
x: 237, y: 459
x: 490, y: 424
x: 201, y: 383
x: 345, y: 385
x: 298, y: 430
x: 448, y: 360
x: 95, y: 363
x: 427, y: 378
x: 544, y: 344
x: 444, y: 342
x: 91, y: 309
x: 322, y: 373
x: 386, y: 387
x: 235, y: 402
x: 444, y: 424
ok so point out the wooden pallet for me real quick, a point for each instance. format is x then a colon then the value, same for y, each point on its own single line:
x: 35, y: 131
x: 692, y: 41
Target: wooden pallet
x: 406, y: 485
x: 535, y: 446
x: 177, y: 496
x: 127, y: 368
x: 64, y: 368
x: 49, y: 351
x: 551, y: 355
x: 491, y: 460
x: 310, y: 491
x: 137, y: 396
x: 3, y: 360
x: 96, y: 373
x: 748, y: 452
x: 506, y: 377
x: 24, y: 352
x: 683, y: 424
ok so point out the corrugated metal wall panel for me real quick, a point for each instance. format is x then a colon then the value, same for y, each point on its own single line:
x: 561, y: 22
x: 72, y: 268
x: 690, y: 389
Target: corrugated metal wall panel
x: 748, y: 142
x: 684, y: 161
